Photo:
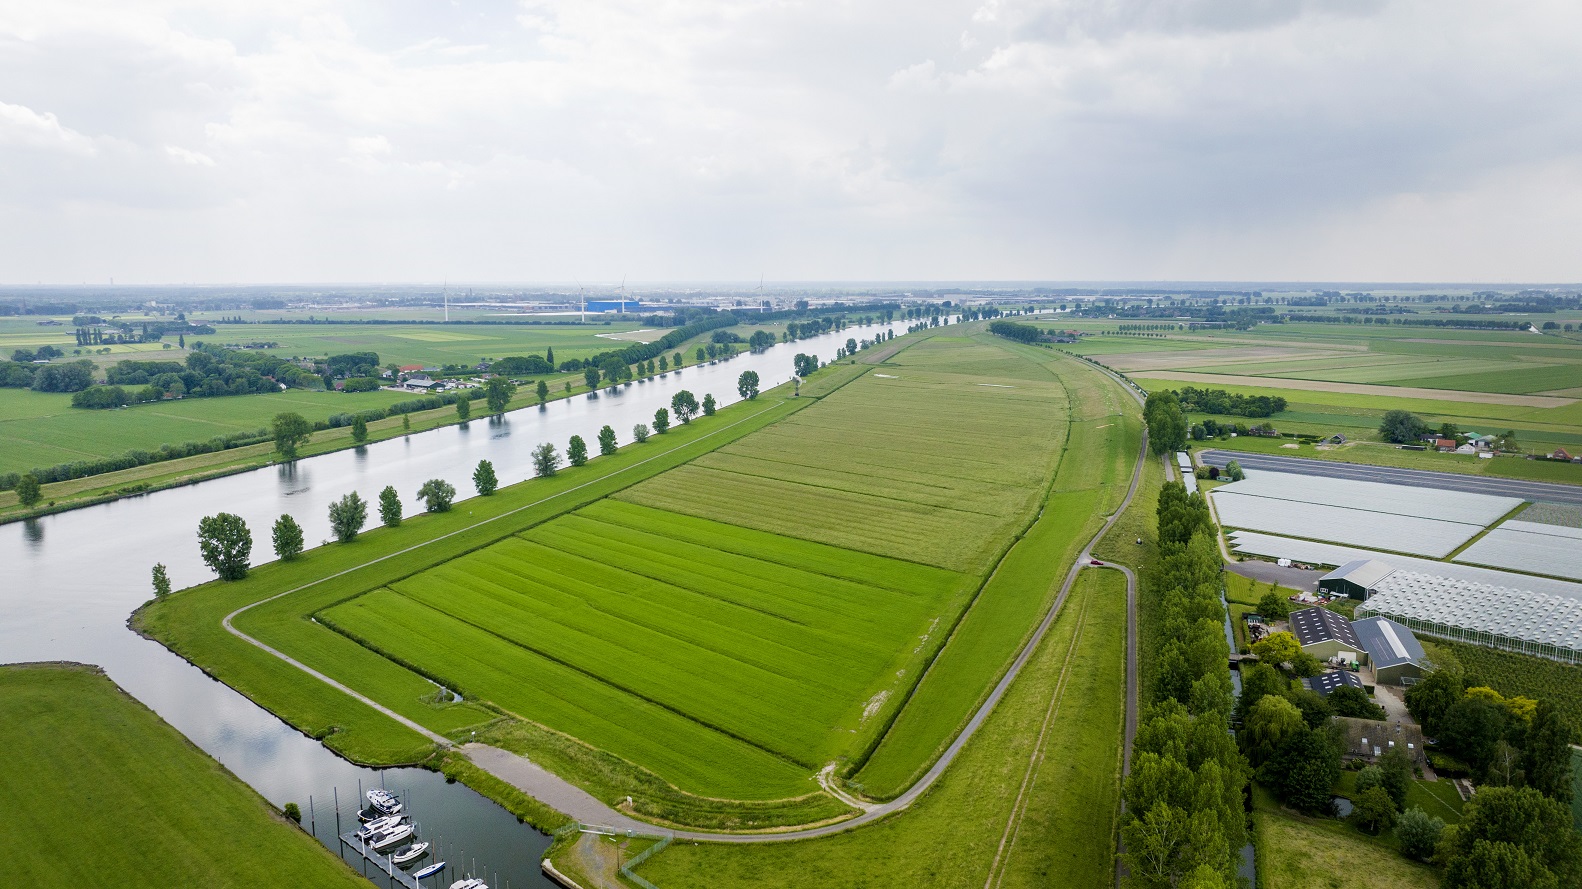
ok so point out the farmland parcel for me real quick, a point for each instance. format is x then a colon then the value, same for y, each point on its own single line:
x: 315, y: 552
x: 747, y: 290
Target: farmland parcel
x: 727, y: 627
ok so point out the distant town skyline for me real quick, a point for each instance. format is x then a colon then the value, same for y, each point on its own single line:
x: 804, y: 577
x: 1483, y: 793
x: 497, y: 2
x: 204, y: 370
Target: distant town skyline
x: 1093, y: 141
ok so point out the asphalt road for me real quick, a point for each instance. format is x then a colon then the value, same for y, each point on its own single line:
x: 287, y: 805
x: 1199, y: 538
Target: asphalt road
x: 1417, y: 478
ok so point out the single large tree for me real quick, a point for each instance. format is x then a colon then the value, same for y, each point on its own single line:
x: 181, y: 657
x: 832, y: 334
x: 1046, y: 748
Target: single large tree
x: 287, y: 537
x: 498, y: 391
x: 543, y: 392
x: 484, y: 479
x: 661, y: 421
x: 359, y: 429
x: 347, y: 517
x: 607, y: 444
x: 390, y: 506
x: 291, y: 430
x: 591, y: 377
x: 684, y: 405
x: 577, y: 451
x: 1418, y: 833
x: 1303, y: 771
x: 545, y: 460
x: 463, y: 409
x: 747, y: 384
x: 708, y: 405
x: 1401, y: 427
x: 28, y: 490
x: 226, y: 544
x: 436, y: 495
x: 640, y: 433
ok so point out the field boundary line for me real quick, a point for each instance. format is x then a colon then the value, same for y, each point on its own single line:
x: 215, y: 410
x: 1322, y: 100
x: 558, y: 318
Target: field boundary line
x: 437, y: 738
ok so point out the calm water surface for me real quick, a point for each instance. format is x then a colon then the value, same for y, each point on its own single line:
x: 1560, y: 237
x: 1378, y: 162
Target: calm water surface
x: 69, y: 581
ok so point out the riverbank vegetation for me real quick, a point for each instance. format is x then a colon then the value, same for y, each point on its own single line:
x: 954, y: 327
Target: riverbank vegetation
x: 101, y: 791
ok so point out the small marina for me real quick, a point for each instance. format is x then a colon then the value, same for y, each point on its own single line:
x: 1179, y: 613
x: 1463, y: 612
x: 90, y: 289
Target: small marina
x: 392, y: 855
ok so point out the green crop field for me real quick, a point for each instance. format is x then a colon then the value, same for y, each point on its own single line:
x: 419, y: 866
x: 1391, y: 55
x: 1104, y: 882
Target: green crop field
x: 99, y: 791
x: 40, y: 429
x: 913, y: 478
x: 734, y: 663
x: 1055, y: 737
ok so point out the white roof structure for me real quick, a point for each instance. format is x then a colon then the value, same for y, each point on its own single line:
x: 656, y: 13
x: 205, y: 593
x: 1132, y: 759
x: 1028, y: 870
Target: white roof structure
x: 1320, y: 521
x: 1365, y: 573
x: 1314, y: 553
x: 1529, y: 546
x: 1495, y: 616
x: 1398, y: 518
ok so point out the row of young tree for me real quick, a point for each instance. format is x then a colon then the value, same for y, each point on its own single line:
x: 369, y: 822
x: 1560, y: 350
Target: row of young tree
x: 1184, y: 823
x: 226, y: 543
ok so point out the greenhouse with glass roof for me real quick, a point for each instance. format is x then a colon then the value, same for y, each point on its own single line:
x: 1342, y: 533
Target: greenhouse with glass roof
x: 1493, y: 616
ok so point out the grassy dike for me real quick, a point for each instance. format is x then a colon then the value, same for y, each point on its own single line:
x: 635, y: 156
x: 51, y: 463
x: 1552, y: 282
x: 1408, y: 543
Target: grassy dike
x: 1030, y: 801
x: 1090, y: 481
x: 101, y: 792
x: 189, y: 622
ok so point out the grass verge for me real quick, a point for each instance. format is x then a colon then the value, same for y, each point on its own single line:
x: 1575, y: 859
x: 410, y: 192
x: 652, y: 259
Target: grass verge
x: 100, y: 791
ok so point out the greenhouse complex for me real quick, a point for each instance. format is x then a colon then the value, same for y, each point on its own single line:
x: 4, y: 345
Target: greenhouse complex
x: 1495, y: 616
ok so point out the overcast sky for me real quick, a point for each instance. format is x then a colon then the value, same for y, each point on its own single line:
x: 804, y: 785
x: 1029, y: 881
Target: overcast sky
x: 411, y: 140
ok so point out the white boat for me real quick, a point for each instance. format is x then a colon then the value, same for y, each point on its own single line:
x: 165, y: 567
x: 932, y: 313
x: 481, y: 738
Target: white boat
x: 392, y: 836
x: 428, y: 870
x: 380, y: 825
x: 469, y: 883
x: 383, y: 801
x: 410, y: 853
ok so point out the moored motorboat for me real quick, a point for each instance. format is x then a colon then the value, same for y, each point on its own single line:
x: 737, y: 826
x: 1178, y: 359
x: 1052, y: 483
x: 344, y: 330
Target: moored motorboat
x: 384, y: 802
x: 409, y: 853
x: 380, y: 825
x: 392, y: 836
x: 428, y: 870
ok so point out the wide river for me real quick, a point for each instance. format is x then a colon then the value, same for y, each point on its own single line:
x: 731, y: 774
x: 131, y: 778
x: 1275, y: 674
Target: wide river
x: 69, y: 581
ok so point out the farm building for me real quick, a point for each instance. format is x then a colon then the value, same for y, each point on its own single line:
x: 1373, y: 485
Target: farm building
x: 1519, y: 620
x: 1395, y: 654
x: 1324, y: 634
x: 1356, y: 579
x: 1324, y: 683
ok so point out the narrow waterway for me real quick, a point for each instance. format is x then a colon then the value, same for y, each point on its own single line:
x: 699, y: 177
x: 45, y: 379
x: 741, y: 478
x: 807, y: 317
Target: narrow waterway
x: 69, y: 581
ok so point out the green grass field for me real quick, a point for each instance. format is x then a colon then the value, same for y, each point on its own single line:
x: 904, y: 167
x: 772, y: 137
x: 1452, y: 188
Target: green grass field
x: 733, y: 663
x: 99, y: 791
x: 669, y: 642
x: 1030, y: 802
x: 41, y: 429
x: 1311, y: 853
x: 432, y: 343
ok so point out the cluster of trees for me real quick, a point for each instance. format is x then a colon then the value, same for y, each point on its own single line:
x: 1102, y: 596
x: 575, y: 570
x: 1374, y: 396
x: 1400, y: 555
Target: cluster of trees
x: 1167, y: 423
x: 207, y: 373
x: 1402, y: 427
x: 1210, y: 428
x: 43, y: 353
x: 1219, y: 401
x: 1184, y: 821
x: 1501, y: 741
x: 72, y: 376
x: 1014, y: 330
x: 805, y: 365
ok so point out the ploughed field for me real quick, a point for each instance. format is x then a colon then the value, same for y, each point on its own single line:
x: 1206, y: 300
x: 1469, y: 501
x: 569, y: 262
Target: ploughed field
x: 735, y: 623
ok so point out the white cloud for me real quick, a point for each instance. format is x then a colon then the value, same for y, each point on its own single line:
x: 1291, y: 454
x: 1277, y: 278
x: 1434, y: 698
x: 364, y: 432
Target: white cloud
x: 22, y: 126
x: 689, y: 139
x: 188, y: 156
